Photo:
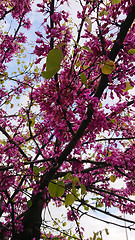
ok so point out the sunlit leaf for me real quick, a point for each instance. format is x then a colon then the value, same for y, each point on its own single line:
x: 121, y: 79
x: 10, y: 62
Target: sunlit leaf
x: 86, y: 208
x: 112, y: 178
x: 75, y: 180
x: 74, y: 192
x: 99, y: 204
x: 64, y: 224
x: 69, y: 199
x: 33, y: 120
x: 128, y: 87
x: 60, y: 45
x: 83, y: 189
x: 17, y: 97
x: 84, y: 79
x: 76, y: 43
x: 78, y: 63
x: 18, y: 61
x: 103, y: 13
x: 88, y: 20
x: 56, y: 189
x: 131, y: 51
x: 30, y: 147
x: 115, y: 1
x: 86, y: 48
x: 25, y: 67
x: 53, y: 62
x: 50, y: 73
x: 108, y: 67
x: 67, y: 176
x: 35, y: 169
x: 42, y: 169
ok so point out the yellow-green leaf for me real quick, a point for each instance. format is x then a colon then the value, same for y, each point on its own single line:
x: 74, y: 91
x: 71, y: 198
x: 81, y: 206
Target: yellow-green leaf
x: 88, y: 20
x: 78, y: 63
x: 56, y: 189
x: 108, y: 67
x: 84, y: 79
x: 86, y: 48
x: 128, y: 87
x: 86, y: 208
x: 83, y: 189
x: 36, y: 170
x: 115, y: 1
x: 69, y: 199
x: 60, y: 45
x: 131, y: 51
x: 25, y: 67
x: 53, y: 62
x: 50, y: 73
x: 75, y: 180
x: 112, y: 178
x: 103, y: 13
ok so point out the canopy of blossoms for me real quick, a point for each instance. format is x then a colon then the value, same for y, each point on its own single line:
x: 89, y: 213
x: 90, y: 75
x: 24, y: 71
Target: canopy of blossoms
x: 74, y: 138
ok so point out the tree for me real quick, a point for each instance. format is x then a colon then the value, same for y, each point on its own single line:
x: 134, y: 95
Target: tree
x: 74, y: 138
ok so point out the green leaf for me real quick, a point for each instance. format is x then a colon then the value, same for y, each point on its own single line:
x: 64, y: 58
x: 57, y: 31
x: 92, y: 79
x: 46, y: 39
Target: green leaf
x: 86, y: 208
x: 84, y: 79
x: 36, y: 170
x: 99, y: 204
x: 103, y: 13
x: 69, y: 199
x: 25, y: 67
x: 49, y: 73
x: 88, y: 20
x: 53, y: 62
x: 32, y: 121
x: 78, y: 64
x: 56, y: 189
x: 76, y: 43
x: 86, y: 48
x: 42, y: 169
x: 54, y: 57
x: 60, y: 45
x: 106, y: 230
x: 115, y: 1
x: 131, y: 51
x: 17, y: 97
x: 75, y: 180
x: 29, y: 203
x: 83, y: 189
x: 108, y: 67
x: 64, y: 224
x: 74, y: 192
x: 128, y: 87
x: 67, y: 176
